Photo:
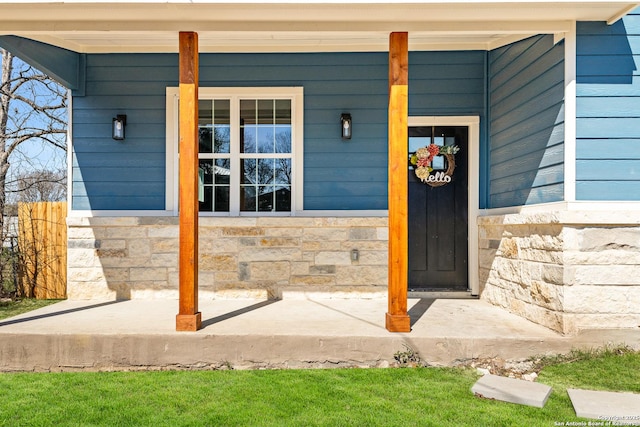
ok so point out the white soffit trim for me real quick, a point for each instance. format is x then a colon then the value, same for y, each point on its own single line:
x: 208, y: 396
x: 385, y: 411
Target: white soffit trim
x: 618, y: 16
x: 290, y: 25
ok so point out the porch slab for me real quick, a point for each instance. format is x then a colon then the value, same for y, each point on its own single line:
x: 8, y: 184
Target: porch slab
x: 299, y: 333
x: 607, y: 406
x: 512, y: 390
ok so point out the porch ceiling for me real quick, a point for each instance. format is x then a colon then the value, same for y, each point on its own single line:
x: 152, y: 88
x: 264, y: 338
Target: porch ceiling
x: 293, y: 25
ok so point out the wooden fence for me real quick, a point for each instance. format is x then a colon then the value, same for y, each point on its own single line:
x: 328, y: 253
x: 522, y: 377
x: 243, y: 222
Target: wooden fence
x: 42, y: 242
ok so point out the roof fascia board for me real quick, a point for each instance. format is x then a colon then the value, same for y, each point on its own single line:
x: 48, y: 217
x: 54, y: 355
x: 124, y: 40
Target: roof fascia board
x: 432, y: 27
x: 309, y: 11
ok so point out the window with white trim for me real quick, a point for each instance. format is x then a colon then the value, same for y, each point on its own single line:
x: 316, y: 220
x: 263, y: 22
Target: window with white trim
x: 250, y: 147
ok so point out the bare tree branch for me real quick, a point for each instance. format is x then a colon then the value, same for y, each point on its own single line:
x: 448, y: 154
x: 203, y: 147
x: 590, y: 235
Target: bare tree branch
x: 33, y: 114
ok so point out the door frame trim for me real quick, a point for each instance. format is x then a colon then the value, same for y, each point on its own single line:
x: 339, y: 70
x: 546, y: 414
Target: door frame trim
x: 473, y: 179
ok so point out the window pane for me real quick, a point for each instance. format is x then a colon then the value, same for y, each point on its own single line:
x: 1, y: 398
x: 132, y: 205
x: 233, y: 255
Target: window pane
x: 221, y: 139
x: 205, y: 112
x: 222, y: 199
x: 249, y: 172
x: 216, y: 181
x: 265, y: 112
x: 206, y: 206
x: 265, y: 198
x: 265, y: 139
x: 283, y: 112
x: 418, y: 142
x: 265, y: 171
x: 283, y: 139
x: 282, y: 171
x: 438, y: 163
x: 218, y: 172
x: 207, y: 166
x: 214, y: 126
x: 205, y: 140
x: 266, y: 185
x: 419, y: 136
x: 248, y: 135
x: 222, y: 171
x: 247, y: 198
x: 248, y: 112
x: 274, y: 199
x: 221, y: 112
x: 283, y: 200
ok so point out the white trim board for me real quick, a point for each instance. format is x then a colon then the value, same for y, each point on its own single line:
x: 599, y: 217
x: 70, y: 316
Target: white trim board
x: 570, y: 108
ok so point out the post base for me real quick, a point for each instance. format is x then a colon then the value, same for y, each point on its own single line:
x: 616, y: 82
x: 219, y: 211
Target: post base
x: 398, y: 322
x: 188, y: 322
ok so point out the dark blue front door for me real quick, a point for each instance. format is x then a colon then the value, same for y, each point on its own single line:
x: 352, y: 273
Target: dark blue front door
x: 438, y: 215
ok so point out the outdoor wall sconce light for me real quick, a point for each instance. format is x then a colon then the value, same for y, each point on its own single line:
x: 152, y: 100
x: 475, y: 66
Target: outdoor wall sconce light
x: 117, y: 130
x: 345, y: 119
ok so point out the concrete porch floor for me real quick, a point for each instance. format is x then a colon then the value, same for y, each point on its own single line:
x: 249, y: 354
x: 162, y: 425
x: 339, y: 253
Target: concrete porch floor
x: 289, y: 333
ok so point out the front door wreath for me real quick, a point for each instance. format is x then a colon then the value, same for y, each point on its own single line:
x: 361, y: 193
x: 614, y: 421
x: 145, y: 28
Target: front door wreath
x: 422, y: 160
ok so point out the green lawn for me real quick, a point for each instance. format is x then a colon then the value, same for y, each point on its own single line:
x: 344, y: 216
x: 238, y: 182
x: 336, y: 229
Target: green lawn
x: 332, y: 397
x: 13, y: 308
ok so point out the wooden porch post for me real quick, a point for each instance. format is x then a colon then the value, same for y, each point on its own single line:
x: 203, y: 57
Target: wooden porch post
x: 188, y: 318
x: 397, y: 318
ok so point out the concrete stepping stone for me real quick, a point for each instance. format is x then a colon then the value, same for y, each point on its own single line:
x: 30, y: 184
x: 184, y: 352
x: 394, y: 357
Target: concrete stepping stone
x: 623, y: 408
x: 512, y: 390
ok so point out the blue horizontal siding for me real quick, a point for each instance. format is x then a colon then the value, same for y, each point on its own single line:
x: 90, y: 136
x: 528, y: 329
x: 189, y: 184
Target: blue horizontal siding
x: 508, y: 167
x: 446, y: 83
x: 615, y: 107
x: 612, y: 127
x: 106, y: 202
x: 343, y: 173
x: 541, y: 178
x: 513, y: 140
x: 595, y: 45
x: 115, y: 159
x: 609, y: 149
x: 612, y: 89
x: 606, y: 68
x: 526, y: 129
x: 113, y: 188
x: 608, y: 190
x: 338, y: 174
x: 96, y: 174
x: 532, y: 195
x: 611, y: 169
x: 608, y: 110
x: 347, y: 160
x: 374, y: 202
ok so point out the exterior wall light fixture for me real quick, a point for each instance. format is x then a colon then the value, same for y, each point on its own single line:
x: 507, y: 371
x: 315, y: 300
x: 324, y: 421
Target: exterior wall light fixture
x: 117, y: 129
x: 345, y: 120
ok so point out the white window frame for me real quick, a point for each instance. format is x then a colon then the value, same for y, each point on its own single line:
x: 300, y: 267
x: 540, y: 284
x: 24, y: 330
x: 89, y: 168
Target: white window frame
x: 234, y: 94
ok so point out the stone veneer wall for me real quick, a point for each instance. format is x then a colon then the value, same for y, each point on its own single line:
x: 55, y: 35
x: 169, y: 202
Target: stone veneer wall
x: 566, y: 270
x: 263, y: 257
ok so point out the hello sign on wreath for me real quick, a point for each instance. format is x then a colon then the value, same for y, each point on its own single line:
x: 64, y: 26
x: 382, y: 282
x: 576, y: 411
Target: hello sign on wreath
x: 422, y: 161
